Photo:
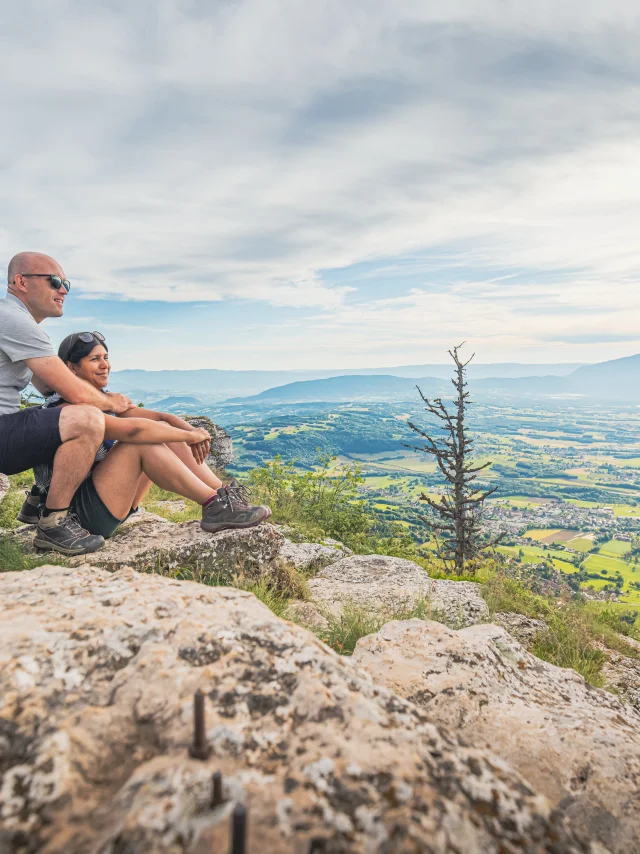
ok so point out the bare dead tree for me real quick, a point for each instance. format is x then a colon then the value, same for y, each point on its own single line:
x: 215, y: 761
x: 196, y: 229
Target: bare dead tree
x: 459, y: 511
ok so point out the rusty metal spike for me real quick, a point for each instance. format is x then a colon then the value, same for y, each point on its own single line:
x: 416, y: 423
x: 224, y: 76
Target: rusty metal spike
x: 199, y: 748
x: 239, y: 820
x: 216, y: 789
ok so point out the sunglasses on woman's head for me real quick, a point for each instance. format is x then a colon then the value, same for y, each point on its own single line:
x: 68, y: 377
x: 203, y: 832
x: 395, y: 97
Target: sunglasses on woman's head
x: 56, y: 282
x: 87, y: 337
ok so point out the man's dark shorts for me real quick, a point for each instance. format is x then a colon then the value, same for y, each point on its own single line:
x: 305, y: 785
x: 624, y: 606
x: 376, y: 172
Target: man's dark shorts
x: 28, y: 438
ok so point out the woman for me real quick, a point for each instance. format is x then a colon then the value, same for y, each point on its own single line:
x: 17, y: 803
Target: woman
x: 141, y: 447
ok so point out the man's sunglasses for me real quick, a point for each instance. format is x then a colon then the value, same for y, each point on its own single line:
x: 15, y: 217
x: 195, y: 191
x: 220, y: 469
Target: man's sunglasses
x: 56, y: 282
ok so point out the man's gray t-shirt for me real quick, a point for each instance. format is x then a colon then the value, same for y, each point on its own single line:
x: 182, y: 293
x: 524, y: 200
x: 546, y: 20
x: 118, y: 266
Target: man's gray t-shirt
x: 20, y: 338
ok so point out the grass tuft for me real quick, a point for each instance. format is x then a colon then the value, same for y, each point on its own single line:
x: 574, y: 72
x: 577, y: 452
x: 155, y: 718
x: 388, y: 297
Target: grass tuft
x: 354, y: 622
x: 579, y: 632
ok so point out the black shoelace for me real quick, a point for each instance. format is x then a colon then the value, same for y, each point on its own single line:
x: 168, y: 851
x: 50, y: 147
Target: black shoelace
x: 73, y: 525
x: 237, y: 496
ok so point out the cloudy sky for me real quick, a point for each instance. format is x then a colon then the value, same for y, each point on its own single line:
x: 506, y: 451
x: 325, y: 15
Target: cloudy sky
x: 281, y: 184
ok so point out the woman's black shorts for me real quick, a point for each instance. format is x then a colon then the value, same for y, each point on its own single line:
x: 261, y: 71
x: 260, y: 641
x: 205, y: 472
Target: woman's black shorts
x: 28, y: 438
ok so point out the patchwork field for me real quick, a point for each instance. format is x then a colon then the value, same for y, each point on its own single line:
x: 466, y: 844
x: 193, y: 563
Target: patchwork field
x: 552, y: 535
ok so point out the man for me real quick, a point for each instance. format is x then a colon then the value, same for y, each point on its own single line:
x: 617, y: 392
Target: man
x: 70, y: 436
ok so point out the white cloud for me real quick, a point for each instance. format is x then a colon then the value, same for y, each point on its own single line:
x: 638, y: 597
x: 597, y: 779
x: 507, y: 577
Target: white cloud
x: 192, y: 151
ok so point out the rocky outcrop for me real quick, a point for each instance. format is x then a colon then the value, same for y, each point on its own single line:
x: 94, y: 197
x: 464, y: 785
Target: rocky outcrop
x: 622, y: 675
x: 372, y: 582
x: 148, y: 542
x: 524, y: 629
x: 97, y: 678
x: 577, y: 745
x: 394, y: 585
x: 458, y: 603
x: 310, y: 557
x: 308, y: 615
x: 221, y: 453
x: 157, y: 545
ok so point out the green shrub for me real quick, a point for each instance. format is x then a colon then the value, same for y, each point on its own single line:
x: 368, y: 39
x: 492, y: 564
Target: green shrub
x: 578, y: 630
x: 323, y: 503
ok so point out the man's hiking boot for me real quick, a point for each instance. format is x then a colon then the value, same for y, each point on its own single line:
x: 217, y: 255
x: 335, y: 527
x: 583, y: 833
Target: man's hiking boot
x: 30, y: 510
x: 65, y: 534
x: 231, y: 509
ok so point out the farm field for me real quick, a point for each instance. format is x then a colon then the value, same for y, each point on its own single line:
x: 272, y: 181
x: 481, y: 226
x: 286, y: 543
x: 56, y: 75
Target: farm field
x: 613, y: 548
x: 535, y: 554
x: 552, y: 535
x: 543, y: 460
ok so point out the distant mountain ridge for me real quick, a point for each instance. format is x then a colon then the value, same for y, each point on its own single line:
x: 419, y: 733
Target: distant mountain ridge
x: 618, y: 379
x: 217, y: 384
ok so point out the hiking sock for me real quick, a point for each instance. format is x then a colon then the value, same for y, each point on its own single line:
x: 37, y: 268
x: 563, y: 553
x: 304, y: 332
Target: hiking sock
x: 34, y: 492
x: 51, y: 516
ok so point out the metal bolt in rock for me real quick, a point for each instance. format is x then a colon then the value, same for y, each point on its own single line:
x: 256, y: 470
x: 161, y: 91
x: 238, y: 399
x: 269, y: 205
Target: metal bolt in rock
x: 199, y: 748
x: 239, y: 830
x: 216, y: 790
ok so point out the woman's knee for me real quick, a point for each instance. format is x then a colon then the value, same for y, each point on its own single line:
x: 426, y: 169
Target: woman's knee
x: 81, y: 420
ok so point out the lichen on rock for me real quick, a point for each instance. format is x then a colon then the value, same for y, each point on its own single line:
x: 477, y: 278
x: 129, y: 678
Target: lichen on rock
x: 577, y: 745
x: 390, y: 585
x: 97, y: 677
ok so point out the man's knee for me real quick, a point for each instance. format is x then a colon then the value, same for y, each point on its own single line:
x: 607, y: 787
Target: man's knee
x: 81, y: 420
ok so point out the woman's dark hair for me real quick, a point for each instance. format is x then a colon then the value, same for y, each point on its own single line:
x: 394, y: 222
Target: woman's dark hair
x: 74, y: 347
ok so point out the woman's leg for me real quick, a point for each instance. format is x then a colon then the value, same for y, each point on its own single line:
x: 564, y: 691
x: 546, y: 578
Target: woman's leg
x: 201, y: 470
x: 117, y: 477
x: 183, y: 452
x: 144, y: 485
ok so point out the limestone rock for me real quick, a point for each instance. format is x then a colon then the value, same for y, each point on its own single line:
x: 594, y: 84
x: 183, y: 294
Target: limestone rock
x: 373, y: 582
x: 306, y: 614
x: 577, y: 745
x: 393, y: 585
x: 155, y: 545
x: 458, y: 603
x: 524, y: 629
x: 622, y: 674
x: 310, y: 557
x: 221, y: 453
x: 141, y: 515
x: 97, y: 677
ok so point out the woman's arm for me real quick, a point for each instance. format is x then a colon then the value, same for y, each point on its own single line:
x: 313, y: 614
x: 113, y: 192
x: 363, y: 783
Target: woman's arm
x: 200, y: 451
x: 140, y: 431
x: 172, y: 420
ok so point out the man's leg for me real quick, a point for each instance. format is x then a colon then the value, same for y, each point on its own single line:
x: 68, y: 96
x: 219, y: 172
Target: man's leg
x: 82, y: 432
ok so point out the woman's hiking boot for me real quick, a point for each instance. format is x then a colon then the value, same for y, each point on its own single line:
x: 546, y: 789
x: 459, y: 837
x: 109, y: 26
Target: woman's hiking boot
x: 235, y: 484
x: 30, y: 511
x: 231, y: 509
x: 62, y: 532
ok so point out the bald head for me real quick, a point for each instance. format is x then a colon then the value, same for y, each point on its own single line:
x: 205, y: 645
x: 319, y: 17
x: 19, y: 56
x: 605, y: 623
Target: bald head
x: 31, y: 262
